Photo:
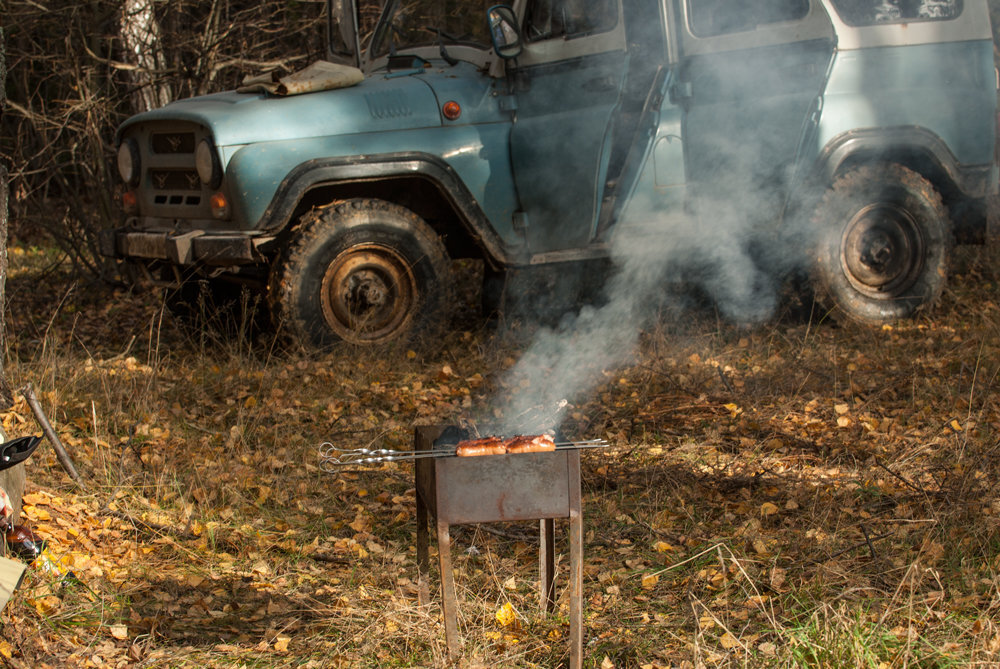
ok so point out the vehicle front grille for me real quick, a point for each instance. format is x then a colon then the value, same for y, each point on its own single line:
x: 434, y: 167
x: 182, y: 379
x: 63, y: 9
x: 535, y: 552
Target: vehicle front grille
x: 169, y: 187
x: 174, y: 179
x: 173, y: 142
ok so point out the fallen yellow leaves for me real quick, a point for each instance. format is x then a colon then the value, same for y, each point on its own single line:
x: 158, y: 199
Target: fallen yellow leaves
x: 47, y: 605
x: 361, y: 523
x: 506, y: 615
x: 38, y: 498
x: 728, y: 641
x: 663, y: 547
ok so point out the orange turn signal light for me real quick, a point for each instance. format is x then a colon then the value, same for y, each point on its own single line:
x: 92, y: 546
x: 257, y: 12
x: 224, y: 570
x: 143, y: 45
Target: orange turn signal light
x: 451, y: 110
x: 130, y: 202
x: 220, y: 205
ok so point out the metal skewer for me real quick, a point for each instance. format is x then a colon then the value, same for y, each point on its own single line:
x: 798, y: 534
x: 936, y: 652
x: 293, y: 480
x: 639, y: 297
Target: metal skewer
x: 333, y: 456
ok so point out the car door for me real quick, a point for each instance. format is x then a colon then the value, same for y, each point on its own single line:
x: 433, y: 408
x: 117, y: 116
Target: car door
x: 567, y: 83
x: 750, y: 80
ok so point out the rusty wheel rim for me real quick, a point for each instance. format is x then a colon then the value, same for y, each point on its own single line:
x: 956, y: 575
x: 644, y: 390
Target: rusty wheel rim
x: 882, y: 251
x: 368, y: 293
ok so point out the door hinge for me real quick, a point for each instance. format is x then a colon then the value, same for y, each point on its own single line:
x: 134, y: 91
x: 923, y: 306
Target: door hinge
x: 681, y: 90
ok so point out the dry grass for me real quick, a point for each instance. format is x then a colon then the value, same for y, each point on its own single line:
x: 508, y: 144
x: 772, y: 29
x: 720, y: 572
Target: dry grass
x: 796, y: 495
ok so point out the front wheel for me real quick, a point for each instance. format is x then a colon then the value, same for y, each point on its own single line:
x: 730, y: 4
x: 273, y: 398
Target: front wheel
x: 883, y: 243
x: 364, y: 272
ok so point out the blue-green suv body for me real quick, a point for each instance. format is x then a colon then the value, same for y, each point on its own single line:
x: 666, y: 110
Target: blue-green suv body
x: 852, y: 139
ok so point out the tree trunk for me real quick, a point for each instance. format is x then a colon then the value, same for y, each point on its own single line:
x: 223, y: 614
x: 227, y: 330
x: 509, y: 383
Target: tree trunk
x: 11, y: 480
x: 141, y: 36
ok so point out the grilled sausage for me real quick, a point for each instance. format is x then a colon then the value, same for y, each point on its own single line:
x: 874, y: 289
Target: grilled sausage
x: 485, y: 446
x: 540, y: 443
x: 533, y: 444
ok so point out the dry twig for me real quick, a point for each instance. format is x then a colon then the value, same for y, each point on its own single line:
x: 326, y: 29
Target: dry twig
x: 63, y: 456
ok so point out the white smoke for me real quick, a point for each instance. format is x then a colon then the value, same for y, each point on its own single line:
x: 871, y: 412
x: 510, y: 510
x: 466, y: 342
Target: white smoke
x: 716, y: 236
x: 650, y: 258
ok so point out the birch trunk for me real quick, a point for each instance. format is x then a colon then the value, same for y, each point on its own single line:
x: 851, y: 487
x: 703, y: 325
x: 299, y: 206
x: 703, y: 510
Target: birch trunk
x: 141, y: 39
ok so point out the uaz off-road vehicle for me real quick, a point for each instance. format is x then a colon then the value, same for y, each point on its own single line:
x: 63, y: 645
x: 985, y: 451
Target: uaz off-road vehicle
x: 856, y: 134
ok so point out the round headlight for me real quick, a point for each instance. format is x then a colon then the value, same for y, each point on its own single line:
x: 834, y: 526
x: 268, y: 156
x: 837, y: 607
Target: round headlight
x: 128, y: 162
x: 206, y: 161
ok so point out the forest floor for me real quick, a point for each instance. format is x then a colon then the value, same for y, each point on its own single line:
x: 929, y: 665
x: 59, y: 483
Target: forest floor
x: 798, y: 494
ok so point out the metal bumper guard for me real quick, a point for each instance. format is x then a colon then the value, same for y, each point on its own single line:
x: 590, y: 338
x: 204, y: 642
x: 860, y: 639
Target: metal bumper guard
x: 184, y: 248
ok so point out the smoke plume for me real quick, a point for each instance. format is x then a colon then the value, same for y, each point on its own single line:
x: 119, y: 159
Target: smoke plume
x: 704, y: 217
x: 566, y: 363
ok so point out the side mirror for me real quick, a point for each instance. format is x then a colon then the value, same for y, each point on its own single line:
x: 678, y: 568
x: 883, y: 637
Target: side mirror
x: 504, y: 34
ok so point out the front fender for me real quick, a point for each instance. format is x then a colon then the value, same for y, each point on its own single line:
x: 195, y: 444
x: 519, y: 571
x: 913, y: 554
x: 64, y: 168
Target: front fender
x: 477, y: 154
x: 439, y: 174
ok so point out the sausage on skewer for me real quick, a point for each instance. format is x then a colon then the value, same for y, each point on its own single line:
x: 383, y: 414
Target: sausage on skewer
x: 541, y: 443
x: 496, y: 446
x: 485, y: 446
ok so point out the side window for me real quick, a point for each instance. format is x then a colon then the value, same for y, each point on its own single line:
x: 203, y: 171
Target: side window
x: 549, y: 19
x: 720, y: 17
x: 874, y: 12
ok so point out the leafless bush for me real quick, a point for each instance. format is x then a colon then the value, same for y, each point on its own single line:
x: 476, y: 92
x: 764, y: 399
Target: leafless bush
x: 77, y: 70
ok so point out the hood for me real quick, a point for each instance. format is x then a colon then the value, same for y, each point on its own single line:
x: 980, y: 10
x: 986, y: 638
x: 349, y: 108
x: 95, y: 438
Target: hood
x: 376, y: 104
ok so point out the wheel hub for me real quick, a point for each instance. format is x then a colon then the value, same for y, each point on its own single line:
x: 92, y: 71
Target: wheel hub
x: 364, y: 291
x: 368, y: 293
x: 882, y: 251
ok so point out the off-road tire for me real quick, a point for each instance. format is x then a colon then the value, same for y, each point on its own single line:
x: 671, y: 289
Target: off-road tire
x: 883, y: 240
x: 362, y: 271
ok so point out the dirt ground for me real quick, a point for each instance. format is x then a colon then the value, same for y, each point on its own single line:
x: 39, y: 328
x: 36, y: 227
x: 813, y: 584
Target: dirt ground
x: 797, y: 494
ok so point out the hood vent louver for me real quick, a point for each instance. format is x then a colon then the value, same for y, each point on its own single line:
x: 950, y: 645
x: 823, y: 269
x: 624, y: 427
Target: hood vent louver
x: 389, y: 104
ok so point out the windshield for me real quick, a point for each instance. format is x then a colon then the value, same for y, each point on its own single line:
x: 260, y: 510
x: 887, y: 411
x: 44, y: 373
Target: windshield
x: 412, y: 23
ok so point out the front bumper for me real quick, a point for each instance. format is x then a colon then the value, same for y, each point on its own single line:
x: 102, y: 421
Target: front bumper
x: 185, y: 248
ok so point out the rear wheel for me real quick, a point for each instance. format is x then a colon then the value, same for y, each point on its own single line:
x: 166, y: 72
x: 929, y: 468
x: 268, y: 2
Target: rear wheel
x: 364, y: 272
x: 883, y: 243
